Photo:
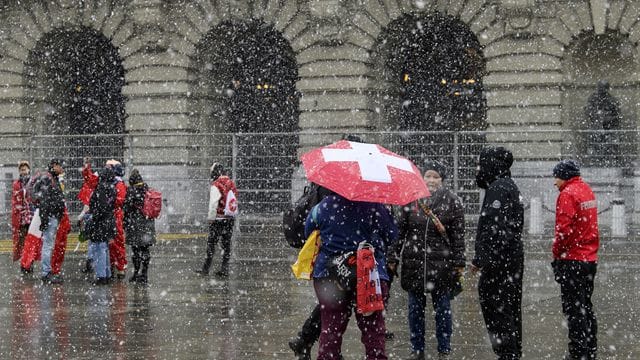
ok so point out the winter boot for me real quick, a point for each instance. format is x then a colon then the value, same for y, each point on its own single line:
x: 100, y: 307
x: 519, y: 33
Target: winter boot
x: 416, y: 355
x: 143, y: 277
x: 301, y: 349
x: 136, y: 267
x: 88, y: 267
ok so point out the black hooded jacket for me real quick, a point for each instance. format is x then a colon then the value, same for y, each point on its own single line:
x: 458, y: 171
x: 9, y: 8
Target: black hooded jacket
x: 442, y: 253
x: 499, y: 236
x: 102, y: 226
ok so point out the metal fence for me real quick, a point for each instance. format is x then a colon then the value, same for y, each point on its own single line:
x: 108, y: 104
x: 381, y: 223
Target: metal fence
x: 267, y: 170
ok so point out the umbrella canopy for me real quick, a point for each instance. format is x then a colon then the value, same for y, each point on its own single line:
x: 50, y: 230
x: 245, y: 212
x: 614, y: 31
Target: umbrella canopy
x: 365, y: 172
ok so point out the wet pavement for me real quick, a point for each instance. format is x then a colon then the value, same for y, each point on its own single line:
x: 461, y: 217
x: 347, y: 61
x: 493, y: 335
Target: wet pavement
x: 253, y: 313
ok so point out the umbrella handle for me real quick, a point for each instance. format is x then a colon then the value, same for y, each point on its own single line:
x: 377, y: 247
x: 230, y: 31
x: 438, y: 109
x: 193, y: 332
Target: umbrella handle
x: 436, y: 222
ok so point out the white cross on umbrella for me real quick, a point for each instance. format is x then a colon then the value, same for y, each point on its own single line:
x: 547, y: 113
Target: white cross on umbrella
x: 364, y: 172
x: 374, y: 165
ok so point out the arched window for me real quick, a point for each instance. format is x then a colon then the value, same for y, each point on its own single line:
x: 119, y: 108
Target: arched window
x: 598, y: 98
x: 429, y: 69
x: 245, y: 83
x: 74, y: 80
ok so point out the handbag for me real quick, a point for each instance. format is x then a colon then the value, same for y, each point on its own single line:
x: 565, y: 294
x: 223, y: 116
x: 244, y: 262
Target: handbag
x: 342, y: 268
x: 303, y: 267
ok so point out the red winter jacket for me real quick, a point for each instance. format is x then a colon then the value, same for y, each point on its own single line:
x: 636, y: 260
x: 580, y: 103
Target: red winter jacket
x: 577, y: 236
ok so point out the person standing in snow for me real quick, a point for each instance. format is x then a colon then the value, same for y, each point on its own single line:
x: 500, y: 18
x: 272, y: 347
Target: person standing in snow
x: 21, y: 209
x: 575, y: 257
x: 49, y: 198
x: 140, y: 231
x: 223, y: 208
x: 101, y: 227
x: 499, y: 254
x: 117, y: 249
x: 432, y: 257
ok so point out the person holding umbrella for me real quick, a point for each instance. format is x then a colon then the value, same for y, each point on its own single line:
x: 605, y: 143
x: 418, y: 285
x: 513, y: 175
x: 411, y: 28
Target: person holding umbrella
x: 431, y: 248
x: 344, y: 225
x: 354, y: 220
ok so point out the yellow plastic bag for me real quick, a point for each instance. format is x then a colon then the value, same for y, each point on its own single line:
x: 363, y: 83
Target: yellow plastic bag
x: 303, y: 267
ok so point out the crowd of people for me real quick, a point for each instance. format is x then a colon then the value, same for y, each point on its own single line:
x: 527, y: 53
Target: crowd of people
x: 113, y: 215
x: 424, y: 243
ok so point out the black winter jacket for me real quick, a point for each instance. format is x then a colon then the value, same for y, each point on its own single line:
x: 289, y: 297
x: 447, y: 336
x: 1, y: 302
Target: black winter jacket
x: 48, y: 197
x: 499, y: 236
x: 140, y: 230
x: 443, y: 254
x: 102, y: 226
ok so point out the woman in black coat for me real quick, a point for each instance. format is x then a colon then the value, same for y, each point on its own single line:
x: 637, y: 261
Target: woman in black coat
x: 140, y: 231
x: 442, y: 261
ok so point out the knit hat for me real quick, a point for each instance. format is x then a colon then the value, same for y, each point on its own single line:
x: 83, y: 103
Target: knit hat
x: 435, y: 166
x: 216, y: 170
x: 566, y: 169
x: 55, y: 161
x: 135, y: 177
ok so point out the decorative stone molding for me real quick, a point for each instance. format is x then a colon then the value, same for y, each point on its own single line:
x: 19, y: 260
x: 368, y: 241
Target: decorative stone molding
x: 519, y: 18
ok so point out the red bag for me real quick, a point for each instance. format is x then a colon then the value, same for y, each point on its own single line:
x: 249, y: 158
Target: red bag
x: 368, y: 290
x: 152, y: 204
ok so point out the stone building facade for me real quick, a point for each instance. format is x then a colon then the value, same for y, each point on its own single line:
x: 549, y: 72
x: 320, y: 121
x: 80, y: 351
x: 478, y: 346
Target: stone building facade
x: 540, y: 61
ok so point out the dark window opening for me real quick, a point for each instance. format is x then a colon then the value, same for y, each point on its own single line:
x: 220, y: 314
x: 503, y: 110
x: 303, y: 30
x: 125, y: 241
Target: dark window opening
x: 246, y: 84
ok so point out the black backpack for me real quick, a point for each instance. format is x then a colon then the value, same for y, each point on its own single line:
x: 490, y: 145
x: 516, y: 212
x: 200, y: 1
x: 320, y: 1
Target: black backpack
x: 294, y: 218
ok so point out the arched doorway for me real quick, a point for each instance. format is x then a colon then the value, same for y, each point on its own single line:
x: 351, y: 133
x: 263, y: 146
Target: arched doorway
x: 74, y: 80
x: 591, y: 59
x: 430, y: 69
x: 245, y: 84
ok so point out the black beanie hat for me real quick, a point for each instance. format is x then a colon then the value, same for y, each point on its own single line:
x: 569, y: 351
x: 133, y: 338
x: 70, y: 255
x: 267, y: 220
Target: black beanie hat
x: 55, y: 161
x: 135, y: 177
x: 566, y: 169
x: 435, y: 166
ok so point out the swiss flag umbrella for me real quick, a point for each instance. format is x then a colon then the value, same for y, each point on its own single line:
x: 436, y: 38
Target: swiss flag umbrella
x: 365, y: 172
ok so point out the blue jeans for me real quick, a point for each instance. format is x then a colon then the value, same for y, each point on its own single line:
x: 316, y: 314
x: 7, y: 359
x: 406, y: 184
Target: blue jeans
x: 442, y: 306
x: 100, y: 256
x: 48, y: 240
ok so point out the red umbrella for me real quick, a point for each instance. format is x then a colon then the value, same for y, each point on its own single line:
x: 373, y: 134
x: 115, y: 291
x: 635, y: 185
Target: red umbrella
x: 365, y: 172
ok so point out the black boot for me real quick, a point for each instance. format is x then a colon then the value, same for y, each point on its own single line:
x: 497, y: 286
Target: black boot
x: 136, y: 267
x: 144, y: 269
x: 88, y: 266
x: 301, y: 349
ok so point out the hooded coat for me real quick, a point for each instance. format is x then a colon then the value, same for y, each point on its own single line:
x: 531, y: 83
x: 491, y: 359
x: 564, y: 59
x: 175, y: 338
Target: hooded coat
x: 499, y: 236
x: 140, y: 231
x: 442, y: 254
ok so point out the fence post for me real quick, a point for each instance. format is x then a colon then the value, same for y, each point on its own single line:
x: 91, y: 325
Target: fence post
x: 456, y: 162
x: 130, y: 146
x: 234, y: 155
x: 618, y: 223
x: 536, y: 226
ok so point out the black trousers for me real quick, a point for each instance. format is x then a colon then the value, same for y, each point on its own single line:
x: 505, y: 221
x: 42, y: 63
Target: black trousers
x: 219, y: 231
x: 141, y: 256
x: 576, y: 287
x: 500, y: 292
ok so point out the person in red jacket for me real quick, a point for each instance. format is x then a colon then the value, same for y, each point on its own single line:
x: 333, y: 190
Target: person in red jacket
x: 117, y: 248
x: 575, y: 257
x: 21, y: 209
x: 223, y: 208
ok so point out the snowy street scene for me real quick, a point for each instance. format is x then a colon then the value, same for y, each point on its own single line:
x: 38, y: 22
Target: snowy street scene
x: 320, y: 179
